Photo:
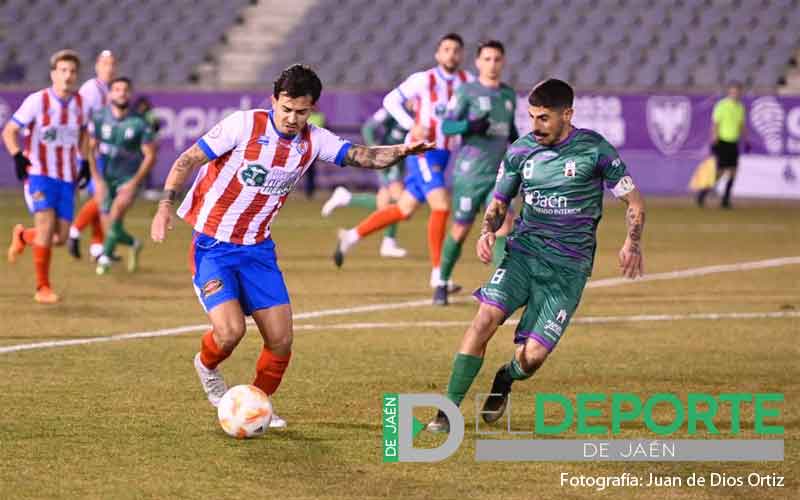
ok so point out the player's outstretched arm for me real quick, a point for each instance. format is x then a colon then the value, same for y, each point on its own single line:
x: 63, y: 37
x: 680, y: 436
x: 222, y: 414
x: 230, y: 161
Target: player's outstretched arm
x: 492, y: 221
x: 631, y: 260
x: 186, y: 163
x: 378, y: 157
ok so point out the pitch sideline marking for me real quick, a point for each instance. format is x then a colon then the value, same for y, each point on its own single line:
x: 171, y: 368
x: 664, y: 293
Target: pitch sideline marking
x: 686, y: 273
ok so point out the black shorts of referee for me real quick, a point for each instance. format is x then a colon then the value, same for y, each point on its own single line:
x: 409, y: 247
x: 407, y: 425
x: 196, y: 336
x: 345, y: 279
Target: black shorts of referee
x: 727, y: 155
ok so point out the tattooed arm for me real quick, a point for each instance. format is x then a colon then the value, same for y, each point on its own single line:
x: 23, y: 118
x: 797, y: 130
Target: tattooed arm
x: 186, y: 163
x: 378, y: 157
x: 631, y: 260
x: 492, y: 221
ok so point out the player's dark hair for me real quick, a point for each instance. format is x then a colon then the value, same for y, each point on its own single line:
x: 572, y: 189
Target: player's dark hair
x: 552, y: 93
x: 455, y: 37
x: 298, y: 80
x: 490, y: 44
x: 65, y: 55
x: 121, y: 79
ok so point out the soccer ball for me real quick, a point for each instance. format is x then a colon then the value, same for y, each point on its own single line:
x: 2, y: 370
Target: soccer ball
x: 244, y: 412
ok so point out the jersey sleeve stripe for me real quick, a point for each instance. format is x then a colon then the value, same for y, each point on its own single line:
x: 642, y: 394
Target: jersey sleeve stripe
x: 342, y: 153
x: 206, y: 149
x: 18, y: 121
x: 500, y: 196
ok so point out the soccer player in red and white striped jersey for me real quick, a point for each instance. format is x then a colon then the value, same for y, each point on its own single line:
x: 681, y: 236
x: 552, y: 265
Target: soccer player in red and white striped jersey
x: 55, y: 119
x: 430, y: 90
x: 251, y: 161
x: 95, y: 96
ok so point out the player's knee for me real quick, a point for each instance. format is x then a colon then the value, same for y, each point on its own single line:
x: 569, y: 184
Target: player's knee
x: 282, y: 345
x: 533, y: 355
x: 229, y: 334
x: 487, y: 320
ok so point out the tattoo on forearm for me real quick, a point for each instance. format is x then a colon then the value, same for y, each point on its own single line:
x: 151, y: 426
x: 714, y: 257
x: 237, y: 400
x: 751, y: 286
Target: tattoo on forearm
x: 183, y: 166
x: 634, y: 217
x: 376, y: 157
x: 494, y: 217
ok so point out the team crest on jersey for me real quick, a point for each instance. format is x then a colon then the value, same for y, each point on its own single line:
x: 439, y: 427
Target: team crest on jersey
x: 569, y: 169
x: 439, y: 110
x: 484, y: 103
x: 105, y: 131
x: 50, y: 135
x: 509, y: 105
x: 252, y: 175
x: 129, y: 133
x: 211, y: 287
x: 301, y: 147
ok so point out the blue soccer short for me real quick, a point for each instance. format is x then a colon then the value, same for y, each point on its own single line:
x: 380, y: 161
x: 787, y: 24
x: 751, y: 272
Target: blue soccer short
x: 425, y: 172
x: 227, y: 271
x: 101, y: 167
x: 45, y: 193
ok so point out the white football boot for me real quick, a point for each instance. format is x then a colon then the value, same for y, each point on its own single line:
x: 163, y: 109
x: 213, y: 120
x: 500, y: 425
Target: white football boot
x: 212, y: 382
x: 390, y: 249
x: 339, y: 198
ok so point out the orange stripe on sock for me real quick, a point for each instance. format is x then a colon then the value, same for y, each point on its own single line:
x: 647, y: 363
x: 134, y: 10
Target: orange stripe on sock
x: 269, y: 370
x: 437, y: 228
x: 380, y: 219
x: 41, y: 262
x: 211, y: 355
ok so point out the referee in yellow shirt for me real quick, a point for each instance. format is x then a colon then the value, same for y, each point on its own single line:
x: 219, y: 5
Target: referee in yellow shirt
x: 728, y: 130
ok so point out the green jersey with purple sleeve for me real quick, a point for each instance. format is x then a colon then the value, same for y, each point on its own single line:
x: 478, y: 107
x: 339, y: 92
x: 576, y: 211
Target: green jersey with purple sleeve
x: 562, y: 189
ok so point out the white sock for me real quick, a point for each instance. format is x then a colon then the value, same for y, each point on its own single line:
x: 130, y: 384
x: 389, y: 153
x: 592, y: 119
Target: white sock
x: 74, y: 233
x: 351, y: 236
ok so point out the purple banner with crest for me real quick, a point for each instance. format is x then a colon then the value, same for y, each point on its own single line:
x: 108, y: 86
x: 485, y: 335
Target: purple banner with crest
x: 661, y: 137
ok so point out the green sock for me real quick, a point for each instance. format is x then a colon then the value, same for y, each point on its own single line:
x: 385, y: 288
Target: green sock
x: 499, y: 250
x: 514, y: 370
x: 451, y: 251
x: 363, y: 200
x: 116, y: 235
x: 465, y: 369
x: 391, y: 231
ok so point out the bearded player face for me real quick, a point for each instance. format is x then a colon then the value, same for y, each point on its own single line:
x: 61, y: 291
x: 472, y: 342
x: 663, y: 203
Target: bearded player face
x: 449, y: 55
x: 550, y: 125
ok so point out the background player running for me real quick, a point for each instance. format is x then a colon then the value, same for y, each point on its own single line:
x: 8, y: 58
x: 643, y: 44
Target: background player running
x: 252, y: 161
x: 95, y: 96
x: 561, y: 172
x: 431, y: 89
x: 482, y: 112
x: 55, y: 118
x: 125, y: 152
x: 380, y: 129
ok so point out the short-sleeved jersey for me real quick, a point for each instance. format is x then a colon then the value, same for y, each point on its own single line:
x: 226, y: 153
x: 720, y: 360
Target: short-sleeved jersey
x: 431, y: 90
x: 480, y: 155
x: 236, y: 196
x: 119, y: 142
x: 54, y: 128
x: 95, y: 95
x: 390, y: 131
x: 562, y: 190
x: 729, y: 116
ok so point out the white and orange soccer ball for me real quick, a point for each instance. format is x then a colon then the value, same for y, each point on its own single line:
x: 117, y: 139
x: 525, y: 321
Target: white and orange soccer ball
x: 244, y: 411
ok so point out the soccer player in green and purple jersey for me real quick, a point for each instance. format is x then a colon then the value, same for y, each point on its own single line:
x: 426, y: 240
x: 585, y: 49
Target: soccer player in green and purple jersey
x: 482, y: 112
x: 560, y: 172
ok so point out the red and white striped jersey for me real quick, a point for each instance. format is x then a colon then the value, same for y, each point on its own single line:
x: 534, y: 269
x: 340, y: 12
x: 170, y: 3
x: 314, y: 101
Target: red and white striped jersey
x: 430, y: 91
x: 236, y: 196
x: 95, y: 95
x: 54, y: 129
